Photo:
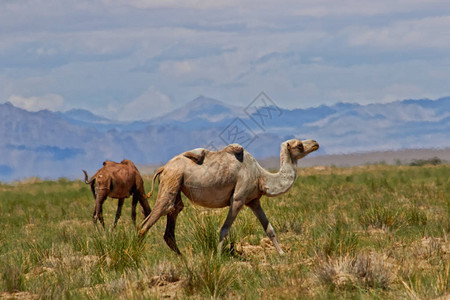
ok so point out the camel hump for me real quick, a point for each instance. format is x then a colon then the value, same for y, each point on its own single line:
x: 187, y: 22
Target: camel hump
x: 237, y: 150
x: 108, y: 163
x: 197, y: 155
x: 234, y: 149
x: 127, y: 162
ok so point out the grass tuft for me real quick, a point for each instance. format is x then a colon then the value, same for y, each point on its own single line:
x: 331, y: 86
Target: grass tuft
x: 212, y: 277
x: 118, y: 249
x: 362, y: 271
x: 13, y: 277
x: 334, y: 238
x: 382, y: 217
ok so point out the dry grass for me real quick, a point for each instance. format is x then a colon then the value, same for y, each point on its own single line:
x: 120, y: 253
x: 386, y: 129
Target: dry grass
x: 368, y: 270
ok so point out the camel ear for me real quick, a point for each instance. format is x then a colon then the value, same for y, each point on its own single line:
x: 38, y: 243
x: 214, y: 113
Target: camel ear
x: 288, y: 145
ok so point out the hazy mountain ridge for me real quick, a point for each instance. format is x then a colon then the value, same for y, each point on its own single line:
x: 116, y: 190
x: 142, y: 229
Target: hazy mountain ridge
x: 202, y: 108
x: 54, y: 144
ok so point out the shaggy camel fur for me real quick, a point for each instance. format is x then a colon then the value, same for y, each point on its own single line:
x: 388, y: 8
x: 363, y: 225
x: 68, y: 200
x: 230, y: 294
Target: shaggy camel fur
x: 230, y: 177
x: 117, y: 180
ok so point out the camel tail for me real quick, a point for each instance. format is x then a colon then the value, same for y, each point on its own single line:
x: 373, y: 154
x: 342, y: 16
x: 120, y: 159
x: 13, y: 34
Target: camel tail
x: 158, y: 172
x: 90, y: 182
x: 86, y: 177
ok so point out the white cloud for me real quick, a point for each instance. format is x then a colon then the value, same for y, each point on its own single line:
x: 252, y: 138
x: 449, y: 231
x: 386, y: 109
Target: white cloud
x: 198, y: 4
x: 177, y: 68
x: 431, y: 32
x: 150, y: 104
x: 52, y: 102
x: 398, y: 91
x: 345, y: 8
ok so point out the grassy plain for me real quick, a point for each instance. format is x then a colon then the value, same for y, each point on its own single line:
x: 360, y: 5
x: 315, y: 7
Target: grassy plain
x: 372, y: 232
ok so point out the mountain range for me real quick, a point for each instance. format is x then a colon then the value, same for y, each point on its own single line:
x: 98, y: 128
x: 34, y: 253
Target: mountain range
x: 59, y: 144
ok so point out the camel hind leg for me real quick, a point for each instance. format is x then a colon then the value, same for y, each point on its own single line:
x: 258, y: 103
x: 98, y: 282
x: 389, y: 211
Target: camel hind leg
x: 145, y: 206
x: 138, y: 197
x: 169, y: 188
x: 169, y: 235
x: 119, y: 210
x: 134, y: 202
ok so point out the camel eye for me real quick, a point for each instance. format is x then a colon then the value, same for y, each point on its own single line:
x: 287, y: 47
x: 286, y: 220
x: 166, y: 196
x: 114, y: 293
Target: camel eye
x: 300, y: 147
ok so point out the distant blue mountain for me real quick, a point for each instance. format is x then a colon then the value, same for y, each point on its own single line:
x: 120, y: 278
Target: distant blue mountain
x: 82, y: 116
x: 55, y: 144
x: 202, y: 108
x: 86, y: 119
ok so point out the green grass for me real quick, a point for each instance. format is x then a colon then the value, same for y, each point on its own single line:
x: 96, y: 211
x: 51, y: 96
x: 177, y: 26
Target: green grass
x: 372, y: 232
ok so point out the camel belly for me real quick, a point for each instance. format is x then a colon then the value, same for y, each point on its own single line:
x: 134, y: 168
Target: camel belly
x: 119, y: 194
x: 210, y: 184
x: 120, y: 191
x: 211, y: 197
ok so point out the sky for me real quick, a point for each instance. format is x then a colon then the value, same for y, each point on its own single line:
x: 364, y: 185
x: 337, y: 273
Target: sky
x: 137, y: 59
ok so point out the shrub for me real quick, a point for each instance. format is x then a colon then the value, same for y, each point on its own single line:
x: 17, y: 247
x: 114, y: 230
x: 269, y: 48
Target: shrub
x: 421, y: 162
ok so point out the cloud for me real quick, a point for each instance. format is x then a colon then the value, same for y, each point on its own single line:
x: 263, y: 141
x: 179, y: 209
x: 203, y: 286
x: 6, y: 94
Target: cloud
x: 52, y: 102
x: 148, y: 105
x: 198, y: 4
x: 430, y: 32
x: 49, y: 51
x: 102, y: 54
x: 366, y: 8
x: 398, y: 91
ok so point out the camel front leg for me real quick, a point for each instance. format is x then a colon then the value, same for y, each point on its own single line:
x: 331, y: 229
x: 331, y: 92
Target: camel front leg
x: 235, y: 207
x: 98, y: 212
x: 119, y: 210
x: 255, y: 206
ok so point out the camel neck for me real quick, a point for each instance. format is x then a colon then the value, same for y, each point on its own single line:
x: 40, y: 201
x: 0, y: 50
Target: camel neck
x: 280, y: 182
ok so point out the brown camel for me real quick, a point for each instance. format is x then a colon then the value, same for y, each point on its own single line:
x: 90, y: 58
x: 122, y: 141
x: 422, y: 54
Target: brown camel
x: 117, y: 180
x: 229, y: 177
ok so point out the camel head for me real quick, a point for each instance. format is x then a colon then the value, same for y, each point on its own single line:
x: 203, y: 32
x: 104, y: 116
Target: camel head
x: 299, y: 149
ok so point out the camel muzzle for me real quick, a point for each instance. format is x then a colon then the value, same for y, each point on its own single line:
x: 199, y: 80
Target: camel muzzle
x: 314, y: 145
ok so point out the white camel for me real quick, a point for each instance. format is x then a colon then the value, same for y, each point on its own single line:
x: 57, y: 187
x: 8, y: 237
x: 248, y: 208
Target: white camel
x: 229, y: 177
